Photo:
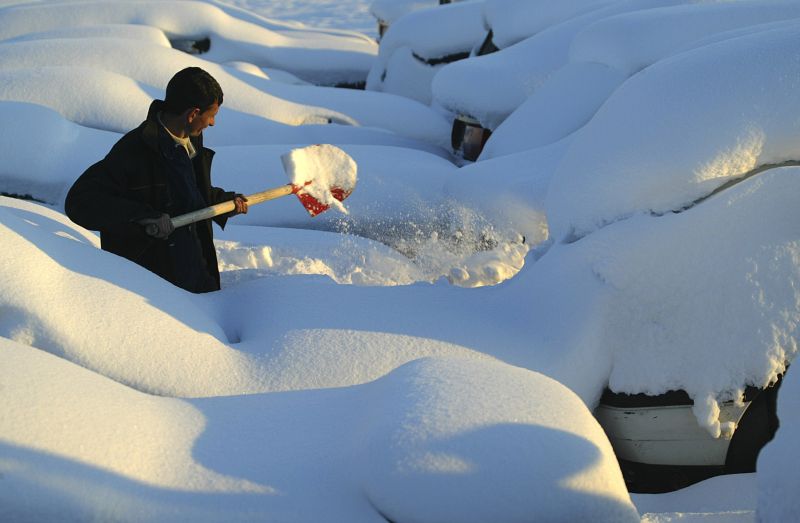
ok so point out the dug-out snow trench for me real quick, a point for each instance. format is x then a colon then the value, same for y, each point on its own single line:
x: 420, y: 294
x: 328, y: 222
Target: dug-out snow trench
x: 455, y: 243
x: 398, y: 202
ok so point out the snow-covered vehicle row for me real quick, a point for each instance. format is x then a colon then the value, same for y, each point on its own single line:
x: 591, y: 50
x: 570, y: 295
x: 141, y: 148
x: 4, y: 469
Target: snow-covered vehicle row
x: 644, y: 242
x: 648, y: 150
x: 557, y: 62
x: 221, y: 34
x: 92, y: 49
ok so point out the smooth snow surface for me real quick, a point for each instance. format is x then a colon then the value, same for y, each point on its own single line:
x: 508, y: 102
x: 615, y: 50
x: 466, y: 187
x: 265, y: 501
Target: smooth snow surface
x: 491, y: 87
x: 734, y: 493
x: 513, y: 20
x: 660, y: 156
x: 390, y: 10
x: 430, y: 431
x: 778, y: 478
x: 738, y: 248
x: 434, y: 354
x: 326, y: 56
x: 415, y: 48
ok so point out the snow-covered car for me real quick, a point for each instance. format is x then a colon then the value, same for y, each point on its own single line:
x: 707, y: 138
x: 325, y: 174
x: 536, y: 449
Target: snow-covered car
x: 423, y: 41
x: 661, y: 447
x: 420, y: 43
x: 507, y: 23
x: 554, y: 81
x: 533, y: 41
x: 90, y: 48
x: 684, y: 203
x: 387, y: 11
x: 220, y: 33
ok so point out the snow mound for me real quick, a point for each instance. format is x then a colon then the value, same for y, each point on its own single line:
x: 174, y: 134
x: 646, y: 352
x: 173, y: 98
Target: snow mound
x: 674, y: 133
x: 319, y: 170
x: 729, y: 493
x: 491, y: 87
x: 441, y: 432
x: 246, y: 253
x: 632, y: 41
x: 512, y: 189
x: 778, y: 477
x: 108, y: 83
x: 546, y: 453
x: 414, y: 48
x: 605, y: 54
x: 739, y: 250
x: 390, y: 10
x: 319, y: 56
x: 177, y: 348
x: 70, y: 149
x: 514, y: 20
x: 564, y: 104
x: 94, y: 75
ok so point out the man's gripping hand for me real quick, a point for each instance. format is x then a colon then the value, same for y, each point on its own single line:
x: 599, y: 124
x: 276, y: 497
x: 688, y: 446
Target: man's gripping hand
x: 240, y: 201
x: 159, y: 228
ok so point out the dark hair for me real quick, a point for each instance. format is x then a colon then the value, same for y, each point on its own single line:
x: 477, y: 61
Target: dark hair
x: 192, y: 87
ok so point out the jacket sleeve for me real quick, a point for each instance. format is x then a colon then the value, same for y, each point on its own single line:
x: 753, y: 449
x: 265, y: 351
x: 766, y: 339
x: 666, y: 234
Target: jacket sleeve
x: 218, y: 196
x: 97, y: 202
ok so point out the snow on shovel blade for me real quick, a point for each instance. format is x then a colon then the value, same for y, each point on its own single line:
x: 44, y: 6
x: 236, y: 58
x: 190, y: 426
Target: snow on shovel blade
x: 322, y: 176
x: 314, y: 206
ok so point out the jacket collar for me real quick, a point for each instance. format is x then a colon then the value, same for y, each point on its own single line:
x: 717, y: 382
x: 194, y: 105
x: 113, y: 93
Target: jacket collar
x: 150, y: 128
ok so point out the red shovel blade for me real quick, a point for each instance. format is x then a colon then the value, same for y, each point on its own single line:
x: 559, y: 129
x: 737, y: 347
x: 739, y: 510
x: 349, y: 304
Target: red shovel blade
x: 314, y: 206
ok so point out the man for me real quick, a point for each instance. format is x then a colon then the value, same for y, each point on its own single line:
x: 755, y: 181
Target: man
x: 155, y: 171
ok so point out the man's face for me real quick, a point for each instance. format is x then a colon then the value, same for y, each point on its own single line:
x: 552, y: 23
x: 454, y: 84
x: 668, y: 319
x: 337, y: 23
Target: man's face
x: 199, y: 120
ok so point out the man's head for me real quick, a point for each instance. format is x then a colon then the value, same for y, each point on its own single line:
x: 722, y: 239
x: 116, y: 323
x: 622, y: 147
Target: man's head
x: 194, y: 95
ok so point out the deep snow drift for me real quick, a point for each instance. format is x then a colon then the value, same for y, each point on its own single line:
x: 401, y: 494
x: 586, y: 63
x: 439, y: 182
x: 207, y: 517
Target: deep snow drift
x: 347, y: 371
x: 415, y: 445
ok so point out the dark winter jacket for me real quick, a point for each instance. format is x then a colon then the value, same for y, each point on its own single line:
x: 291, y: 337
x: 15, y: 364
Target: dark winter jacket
x: 142, y: 177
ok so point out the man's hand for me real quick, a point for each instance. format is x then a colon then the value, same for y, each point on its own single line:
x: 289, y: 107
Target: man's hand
x: 159, y: 228
x: 241, y: 204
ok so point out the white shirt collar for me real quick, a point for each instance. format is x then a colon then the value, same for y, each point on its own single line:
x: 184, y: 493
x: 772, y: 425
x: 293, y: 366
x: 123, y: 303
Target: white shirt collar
x: 186, y: 143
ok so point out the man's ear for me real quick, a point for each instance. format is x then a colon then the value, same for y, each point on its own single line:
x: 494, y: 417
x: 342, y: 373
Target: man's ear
x: 191, y: 114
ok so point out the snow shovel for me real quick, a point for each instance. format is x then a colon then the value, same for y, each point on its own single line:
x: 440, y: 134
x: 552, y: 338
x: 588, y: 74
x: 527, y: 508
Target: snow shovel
x: 321, y: 176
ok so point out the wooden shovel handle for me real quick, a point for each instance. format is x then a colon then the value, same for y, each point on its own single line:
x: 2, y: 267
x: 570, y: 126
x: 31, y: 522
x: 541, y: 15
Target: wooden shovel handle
x: 225, y: 207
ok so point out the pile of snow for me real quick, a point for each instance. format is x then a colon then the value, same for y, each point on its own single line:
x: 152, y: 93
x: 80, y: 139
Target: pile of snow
x: 631, y: 41
x: 652, y: 278
x: 449, y: 431
x: 178, y: 348
x: 612, y: 49
x: 352, y: 15
x: 564, y: 104
x: 234, y: 342
x: 674, y: 133
x: 415, y: 48
x: 70, y: 148
x: 387, y: 11
x: 512, y: 189
x: 512, y: 21
x: 86, y: 47
x: 399, y: 395
x: 778, y: 477
x: 108, y: 83
x: 319, y: 171
x: 730, y: 499
x: 435, y: 440
x: 399, y: 201
x: 738, y: 250
x: 329, y: 57
x: 491, y: 87
x: 250, y: 252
